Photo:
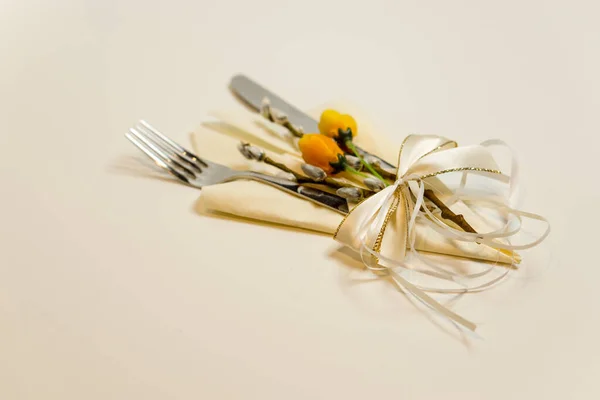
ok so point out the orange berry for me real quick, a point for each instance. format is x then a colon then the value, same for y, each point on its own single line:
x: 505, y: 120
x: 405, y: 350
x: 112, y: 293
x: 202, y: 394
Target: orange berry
x: 320, y: 151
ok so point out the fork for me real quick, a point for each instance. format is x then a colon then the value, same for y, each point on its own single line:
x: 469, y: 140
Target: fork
x: 198, y: 172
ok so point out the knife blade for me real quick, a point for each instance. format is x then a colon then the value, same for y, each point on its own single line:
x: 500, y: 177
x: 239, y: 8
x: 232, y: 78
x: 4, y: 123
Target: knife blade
x: 252, y: 94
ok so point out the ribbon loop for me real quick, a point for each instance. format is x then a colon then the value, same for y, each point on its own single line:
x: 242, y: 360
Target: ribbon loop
x: 397, y: 222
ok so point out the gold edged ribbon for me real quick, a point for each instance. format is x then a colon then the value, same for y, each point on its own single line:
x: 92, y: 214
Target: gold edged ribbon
x: 382, y: 227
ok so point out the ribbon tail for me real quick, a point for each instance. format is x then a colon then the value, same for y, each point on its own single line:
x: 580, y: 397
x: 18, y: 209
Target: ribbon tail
x: 431, y: 303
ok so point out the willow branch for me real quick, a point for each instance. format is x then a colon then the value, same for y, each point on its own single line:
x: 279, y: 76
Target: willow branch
x: 369, y: 167
x: 293, y: 130
x: 304, y: 179
x: 279, y: 118
x: 385, y: 174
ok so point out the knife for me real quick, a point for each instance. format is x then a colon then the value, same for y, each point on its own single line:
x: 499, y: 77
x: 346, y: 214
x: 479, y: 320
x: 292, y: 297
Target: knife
x: 252, y: 94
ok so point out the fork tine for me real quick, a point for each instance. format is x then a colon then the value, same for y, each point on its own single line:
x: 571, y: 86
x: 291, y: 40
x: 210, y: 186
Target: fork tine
x: 156, y: 158
x: 168, y: 158
x: 181, y: 151
x: 166, y: 148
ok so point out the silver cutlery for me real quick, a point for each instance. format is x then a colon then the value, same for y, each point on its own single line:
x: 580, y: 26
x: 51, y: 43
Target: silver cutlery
x: 252, y: 94
x: 198, y: 172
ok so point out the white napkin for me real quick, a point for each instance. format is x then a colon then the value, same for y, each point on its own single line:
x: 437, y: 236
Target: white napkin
x: 217, y: 141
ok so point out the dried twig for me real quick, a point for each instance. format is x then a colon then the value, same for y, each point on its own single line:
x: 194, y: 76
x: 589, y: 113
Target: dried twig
x: 447, y: 213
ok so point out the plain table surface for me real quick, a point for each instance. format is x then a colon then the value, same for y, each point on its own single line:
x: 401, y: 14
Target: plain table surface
x: 112, y: 286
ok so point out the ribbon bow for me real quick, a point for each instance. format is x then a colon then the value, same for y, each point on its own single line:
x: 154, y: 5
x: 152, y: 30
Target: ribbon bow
x: 382, y: 228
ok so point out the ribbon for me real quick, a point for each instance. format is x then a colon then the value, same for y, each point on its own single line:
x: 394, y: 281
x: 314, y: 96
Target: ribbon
x: 382, y: 228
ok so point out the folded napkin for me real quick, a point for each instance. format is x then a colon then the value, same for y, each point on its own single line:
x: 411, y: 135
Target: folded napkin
x: 217, y: 141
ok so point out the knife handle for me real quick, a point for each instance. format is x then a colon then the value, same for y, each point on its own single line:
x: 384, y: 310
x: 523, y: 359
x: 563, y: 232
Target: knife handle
x: 320, y: 197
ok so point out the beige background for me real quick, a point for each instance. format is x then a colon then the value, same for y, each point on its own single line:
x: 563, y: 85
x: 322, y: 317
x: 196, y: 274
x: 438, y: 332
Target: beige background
x: 113, y: 287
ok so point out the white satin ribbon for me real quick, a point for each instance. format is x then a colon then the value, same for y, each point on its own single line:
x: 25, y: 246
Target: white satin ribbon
x: 382, y: 228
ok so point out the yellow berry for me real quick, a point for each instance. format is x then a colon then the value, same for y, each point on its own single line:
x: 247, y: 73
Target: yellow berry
x: 332, y: 121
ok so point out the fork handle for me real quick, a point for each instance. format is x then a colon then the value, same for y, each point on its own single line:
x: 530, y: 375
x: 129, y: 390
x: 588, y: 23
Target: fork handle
x: 320, y: 197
